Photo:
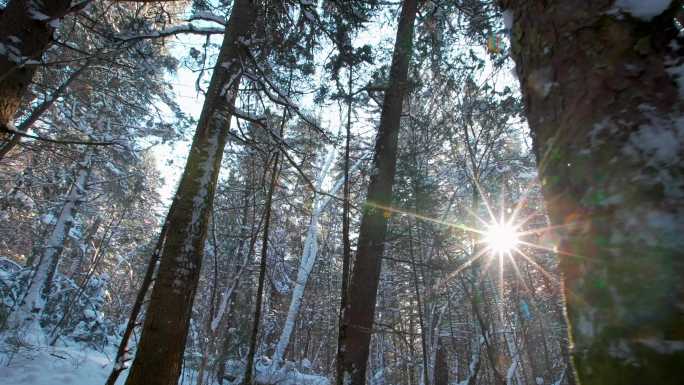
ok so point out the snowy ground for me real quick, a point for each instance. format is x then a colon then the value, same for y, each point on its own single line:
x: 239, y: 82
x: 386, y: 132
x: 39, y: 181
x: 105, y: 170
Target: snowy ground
x: 76, y: 365
x: 58, y: 365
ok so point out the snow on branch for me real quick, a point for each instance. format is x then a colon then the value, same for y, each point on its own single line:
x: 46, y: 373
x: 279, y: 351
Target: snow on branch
x: 277, y: 96
x: 187, y: 28
x: 208, y: 16
x: 14, y: 131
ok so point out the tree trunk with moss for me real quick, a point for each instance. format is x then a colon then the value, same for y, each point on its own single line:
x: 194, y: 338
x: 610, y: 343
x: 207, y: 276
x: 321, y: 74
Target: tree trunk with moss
x: 162, y: 343
x: 605, y: 110
x: 358, y: 314
x: 26, y: 29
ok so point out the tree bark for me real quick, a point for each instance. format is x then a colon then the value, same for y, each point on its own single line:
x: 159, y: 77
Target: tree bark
x: 419, y: 307
x: 249, y: 368
x: 306, y: 261
x: 358, y: 315
x: 441, y: 365
x: 605, y: 111
x: 26, y: 28
x: 13, y: 140
x: 162, y: 343
x: 31, y: 308
x: 346, y: 242
x: 122, y: 356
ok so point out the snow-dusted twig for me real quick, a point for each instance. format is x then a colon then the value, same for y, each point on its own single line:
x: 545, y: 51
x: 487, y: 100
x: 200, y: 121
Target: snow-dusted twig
x: 187, y: 28
x: 208, y: 16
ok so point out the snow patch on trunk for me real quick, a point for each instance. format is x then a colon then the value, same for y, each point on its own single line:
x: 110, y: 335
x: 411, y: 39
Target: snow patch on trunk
x: 199, y: 206
x: 27, y: 315
x: 642, y: 9
x: 508, y: 19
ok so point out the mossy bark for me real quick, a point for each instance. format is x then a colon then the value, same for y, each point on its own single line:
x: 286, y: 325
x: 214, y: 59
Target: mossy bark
x: 162, y: 343
x: 606, y: 115
x: 26, y: 31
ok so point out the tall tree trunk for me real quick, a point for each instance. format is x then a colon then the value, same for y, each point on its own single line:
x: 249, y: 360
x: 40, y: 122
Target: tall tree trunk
x: 29, y: 312
x: 605, y: 111
x: 306, y: 262
x: 162, y: 343
x: 358, y: 315
x: 26, y: 28
x: 441, y: 366
x: 249, y: 368
x: 419, y: 307
x: 122, y: 353
x: 346, y: 242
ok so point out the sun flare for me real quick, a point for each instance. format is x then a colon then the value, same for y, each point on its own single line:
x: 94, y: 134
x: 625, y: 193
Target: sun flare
x: 501, y: 238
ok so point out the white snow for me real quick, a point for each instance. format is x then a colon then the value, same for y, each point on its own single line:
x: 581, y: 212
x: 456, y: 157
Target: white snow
x: 310, y: 16
x: 188, y: 28
x: 209, y: 16
x: 508, y: 19
x: 307, y: 261
x: 36, y: 15
x: 224, y: 307
x: 60, y: 365
x: 642, y: 9
x: 199, y: 201
x: 33, y: 304
x: 661, y: 144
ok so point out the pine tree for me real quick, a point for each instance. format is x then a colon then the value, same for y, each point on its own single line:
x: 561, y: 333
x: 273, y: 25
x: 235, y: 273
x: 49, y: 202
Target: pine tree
x: 357, y: 319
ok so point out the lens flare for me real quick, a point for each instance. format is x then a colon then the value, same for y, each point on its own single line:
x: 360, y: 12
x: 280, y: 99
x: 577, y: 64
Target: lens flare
x: 501, y: 238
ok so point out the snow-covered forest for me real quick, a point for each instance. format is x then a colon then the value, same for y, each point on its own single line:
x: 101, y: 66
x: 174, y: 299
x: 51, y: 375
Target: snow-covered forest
x: 318, y: 192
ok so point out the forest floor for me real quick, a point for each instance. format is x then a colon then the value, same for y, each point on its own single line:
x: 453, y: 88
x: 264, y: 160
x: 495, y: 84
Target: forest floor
x: 47, y: 365
x: 74, y: 363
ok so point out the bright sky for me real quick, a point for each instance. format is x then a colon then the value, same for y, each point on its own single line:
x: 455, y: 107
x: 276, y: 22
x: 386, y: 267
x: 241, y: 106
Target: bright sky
x: 170, y: 158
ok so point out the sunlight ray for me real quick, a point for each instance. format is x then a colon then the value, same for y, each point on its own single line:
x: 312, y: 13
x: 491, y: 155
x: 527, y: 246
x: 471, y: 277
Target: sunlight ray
x: 502, y: 203
x: 485, y: 200
x: 541, y: 269
x: 425, y: 218
x: 522, y: 222
x: 483, y: 272
x: 553, y: 227
x: 458, y: 270
x: 516, y: 269
x: 474, y: 215
x: 501, y: 281
x: 521, y: 202
x: 550, y: 249
x: 533, y: 297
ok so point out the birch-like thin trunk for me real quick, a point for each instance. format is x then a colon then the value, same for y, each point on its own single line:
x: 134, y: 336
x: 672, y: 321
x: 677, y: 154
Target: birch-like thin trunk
x: 306, y: 262
x: 162, y: 343
x: 249, y: 368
